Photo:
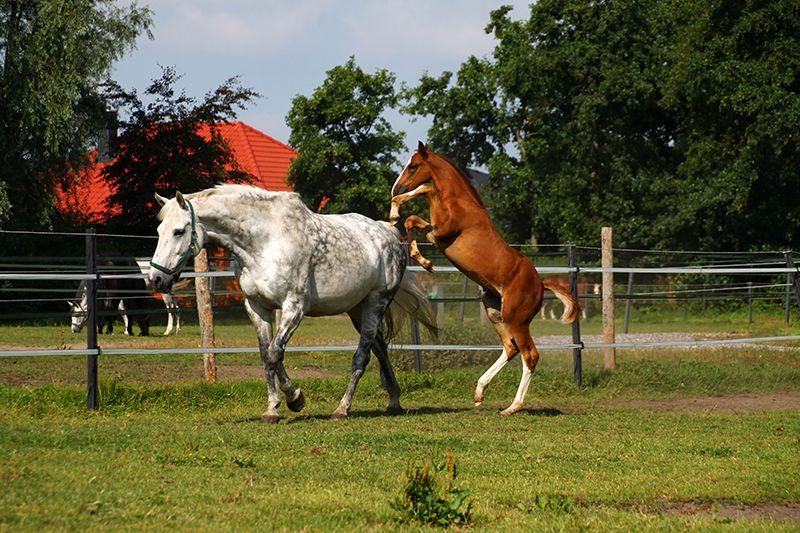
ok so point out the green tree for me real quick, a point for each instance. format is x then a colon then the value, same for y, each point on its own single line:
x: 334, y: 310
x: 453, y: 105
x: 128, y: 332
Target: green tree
x: 170, y: 143
x: 53, y: 55
x: 734, y: 89
x: 675, y: 122
x: 347, y: 148
x: 573, y: 131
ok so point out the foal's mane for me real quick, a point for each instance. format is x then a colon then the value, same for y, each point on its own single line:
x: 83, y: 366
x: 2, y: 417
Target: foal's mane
x: 459, y: 174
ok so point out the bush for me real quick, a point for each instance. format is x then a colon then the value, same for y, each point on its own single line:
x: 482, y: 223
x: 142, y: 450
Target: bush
x: 428, y: 499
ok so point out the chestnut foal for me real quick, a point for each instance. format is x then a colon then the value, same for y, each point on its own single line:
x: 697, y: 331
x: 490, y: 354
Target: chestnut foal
x: 461, y: 228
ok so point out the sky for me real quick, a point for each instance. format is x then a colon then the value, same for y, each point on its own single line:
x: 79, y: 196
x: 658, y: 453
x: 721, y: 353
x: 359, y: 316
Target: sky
x: 283, y: 48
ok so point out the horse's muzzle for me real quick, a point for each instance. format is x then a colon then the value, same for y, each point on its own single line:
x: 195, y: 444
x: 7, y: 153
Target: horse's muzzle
x: 399, y: 189
x: 161, y: 282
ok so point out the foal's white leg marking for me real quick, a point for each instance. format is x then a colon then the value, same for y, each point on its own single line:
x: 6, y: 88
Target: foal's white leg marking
x: 400, y: 199
x: 487, y: 377
x: 524, y: 383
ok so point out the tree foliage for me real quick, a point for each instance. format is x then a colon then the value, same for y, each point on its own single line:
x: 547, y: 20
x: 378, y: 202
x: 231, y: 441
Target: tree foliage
x: 675, y: 122
x: 169, y: 143
x: 53, y: 55
x: 347, y: 148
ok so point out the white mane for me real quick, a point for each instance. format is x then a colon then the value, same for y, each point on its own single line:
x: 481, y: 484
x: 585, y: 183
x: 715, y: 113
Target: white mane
x: 241, y: 193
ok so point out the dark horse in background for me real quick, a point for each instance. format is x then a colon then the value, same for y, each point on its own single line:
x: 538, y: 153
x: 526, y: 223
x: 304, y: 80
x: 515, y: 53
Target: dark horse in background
x: 115, y: 295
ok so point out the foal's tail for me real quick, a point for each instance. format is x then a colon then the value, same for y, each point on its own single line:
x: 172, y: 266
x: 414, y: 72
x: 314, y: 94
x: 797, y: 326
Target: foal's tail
x: 411, y: 300
x: 572, y: 309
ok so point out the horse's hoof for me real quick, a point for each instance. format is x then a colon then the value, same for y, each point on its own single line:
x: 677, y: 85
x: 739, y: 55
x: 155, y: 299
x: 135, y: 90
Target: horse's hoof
x: 339, y: 415
x: 478, y: 404
x: 298, y: 403
x: 513, y: 408
x: 270, y: 419
x: 394, y: 410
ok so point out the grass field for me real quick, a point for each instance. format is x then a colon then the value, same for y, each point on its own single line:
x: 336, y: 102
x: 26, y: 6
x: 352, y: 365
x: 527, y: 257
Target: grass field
x: 673, y: 440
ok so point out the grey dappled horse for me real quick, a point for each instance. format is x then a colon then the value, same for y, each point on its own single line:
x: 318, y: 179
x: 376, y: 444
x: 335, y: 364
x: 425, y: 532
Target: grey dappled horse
x: 300, y: 263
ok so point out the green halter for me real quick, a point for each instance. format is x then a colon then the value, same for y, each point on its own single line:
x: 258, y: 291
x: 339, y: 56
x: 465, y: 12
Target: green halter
x: 191, y: 251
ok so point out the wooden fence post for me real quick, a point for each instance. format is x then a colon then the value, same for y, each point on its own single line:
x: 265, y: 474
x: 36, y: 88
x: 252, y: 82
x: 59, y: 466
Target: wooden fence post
x: 205, y: 315
x: 607, y: 261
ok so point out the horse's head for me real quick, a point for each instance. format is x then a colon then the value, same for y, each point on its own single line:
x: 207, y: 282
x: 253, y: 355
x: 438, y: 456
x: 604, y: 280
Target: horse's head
x: 180, y: 238
x: 417, y: 172
x: 77, y: 312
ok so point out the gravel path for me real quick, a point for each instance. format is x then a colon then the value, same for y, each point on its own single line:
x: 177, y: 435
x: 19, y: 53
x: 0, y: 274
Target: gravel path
x: 687, y: 341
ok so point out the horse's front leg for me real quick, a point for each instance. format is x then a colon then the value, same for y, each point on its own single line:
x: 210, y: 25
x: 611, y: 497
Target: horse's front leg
x: 261, y: 319
x: 168, y: 303
x: 400, y: 199
x: 292, y: 313
x: 414, y: 222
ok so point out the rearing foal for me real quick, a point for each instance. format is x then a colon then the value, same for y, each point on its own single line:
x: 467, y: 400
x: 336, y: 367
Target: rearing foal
x: 461, y: 228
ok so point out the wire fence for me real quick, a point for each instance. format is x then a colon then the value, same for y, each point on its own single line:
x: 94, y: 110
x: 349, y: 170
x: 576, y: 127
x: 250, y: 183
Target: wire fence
x: 38, y: 289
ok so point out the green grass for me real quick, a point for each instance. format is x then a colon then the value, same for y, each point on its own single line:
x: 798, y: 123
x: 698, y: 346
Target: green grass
x: 188, y: 455
x: 169, y: 452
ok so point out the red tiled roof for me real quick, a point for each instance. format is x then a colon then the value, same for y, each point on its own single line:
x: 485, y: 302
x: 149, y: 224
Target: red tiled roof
x: 256, y: 153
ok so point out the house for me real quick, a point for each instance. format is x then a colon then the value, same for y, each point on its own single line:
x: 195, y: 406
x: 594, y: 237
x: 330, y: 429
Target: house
x: 256, y: 153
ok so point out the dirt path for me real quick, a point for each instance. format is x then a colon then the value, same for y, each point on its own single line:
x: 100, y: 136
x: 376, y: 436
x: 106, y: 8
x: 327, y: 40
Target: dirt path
x: 736, y: 403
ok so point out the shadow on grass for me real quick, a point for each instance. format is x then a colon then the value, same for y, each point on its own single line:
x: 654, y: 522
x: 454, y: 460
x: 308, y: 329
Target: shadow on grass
x: 417, y: 411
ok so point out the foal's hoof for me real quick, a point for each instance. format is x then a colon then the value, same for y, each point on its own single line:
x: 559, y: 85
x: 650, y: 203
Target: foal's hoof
x: 298, y: 403
x: 513, y: 408
x: 270, y: 419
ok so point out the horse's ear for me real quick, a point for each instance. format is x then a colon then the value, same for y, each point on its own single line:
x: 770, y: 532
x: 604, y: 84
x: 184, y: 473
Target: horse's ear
x: 181, y: 200
x: 160, y: 200
x: 422, y: 150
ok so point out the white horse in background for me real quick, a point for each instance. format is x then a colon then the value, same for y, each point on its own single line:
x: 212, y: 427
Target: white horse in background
x: 303, y: 264
x: 79, y: 306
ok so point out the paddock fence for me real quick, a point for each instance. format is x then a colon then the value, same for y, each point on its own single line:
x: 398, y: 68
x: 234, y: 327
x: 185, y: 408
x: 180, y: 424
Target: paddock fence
x: 700, y: 278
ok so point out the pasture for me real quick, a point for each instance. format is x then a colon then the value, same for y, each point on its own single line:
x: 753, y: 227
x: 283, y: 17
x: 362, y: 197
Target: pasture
x: 673, y: 440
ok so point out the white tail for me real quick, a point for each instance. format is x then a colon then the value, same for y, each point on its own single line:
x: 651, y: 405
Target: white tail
x: 411, y: 301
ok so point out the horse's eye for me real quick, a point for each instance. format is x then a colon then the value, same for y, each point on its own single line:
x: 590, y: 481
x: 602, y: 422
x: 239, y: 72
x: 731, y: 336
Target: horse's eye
x: 412, y: 167
x: 179, y: 232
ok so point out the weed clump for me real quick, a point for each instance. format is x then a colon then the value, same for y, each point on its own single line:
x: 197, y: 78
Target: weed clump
x: 430, y: 495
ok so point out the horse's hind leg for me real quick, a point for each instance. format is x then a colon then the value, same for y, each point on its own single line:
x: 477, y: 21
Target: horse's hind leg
x: 492, y: 304
x: 372, y: 310
x: 530, y: 357
x: 388, y: 379
x: 519, y: 308
x: 381, y: 351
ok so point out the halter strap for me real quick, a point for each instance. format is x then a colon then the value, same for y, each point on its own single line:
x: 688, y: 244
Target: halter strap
x: 191, y: 251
